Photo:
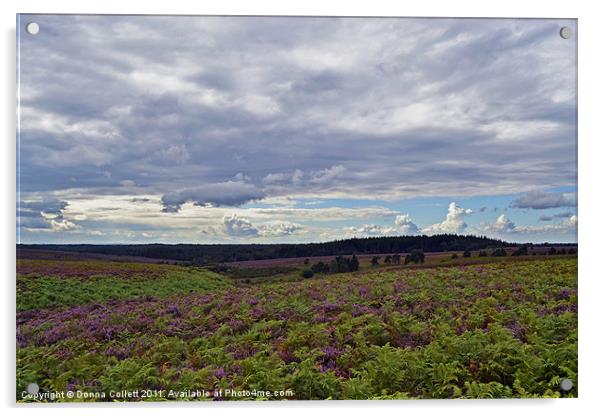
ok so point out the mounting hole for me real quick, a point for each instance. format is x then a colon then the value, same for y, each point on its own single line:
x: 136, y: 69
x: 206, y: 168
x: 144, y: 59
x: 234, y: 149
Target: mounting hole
x: 32, y: 28
x: 566, y: 384
x: 565, y: 32
x: 33, y: 388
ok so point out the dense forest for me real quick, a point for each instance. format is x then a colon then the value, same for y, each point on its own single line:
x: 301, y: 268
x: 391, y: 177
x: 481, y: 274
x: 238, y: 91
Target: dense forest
x: 218, y: 253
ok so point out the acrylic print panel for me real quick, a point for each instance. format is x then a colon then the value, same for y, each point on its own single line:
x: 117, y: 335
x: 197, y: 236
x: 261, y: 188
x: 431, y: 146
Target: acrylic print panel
x: 296, y: 208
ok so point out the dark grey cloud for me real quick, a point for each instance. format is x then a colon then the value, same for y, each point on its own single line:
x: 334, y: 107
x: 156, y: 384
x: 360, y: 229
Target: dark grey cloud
x: 44, y: 215
x: 160, y: 103
x: 34, y: 208
x: 217, y: 194
x: 544, y: 200
x: 556, y: 216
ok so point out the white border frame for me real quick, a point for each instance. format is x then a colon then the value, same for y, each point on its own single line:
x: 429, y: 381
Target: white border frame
x: 590, y: 32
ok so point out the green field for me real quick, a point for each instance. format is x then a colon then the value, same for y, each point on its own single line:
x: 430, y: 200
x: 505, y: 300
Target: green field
x: 493, y: 330
x: 77, y: 283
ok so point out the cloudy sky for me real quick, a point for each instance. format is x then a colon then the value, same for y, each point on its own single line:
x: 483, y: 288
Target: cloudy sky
x: 238, y: 129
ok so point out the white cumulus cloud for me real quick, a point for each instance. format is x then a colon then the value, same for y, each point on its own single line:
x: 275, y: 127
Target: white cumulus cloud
x: 453, y: 223
x: 279, y: 229
x: 370, y: 230
x: 405, y: 224
x: 503, y: 225
x: 235, y: 226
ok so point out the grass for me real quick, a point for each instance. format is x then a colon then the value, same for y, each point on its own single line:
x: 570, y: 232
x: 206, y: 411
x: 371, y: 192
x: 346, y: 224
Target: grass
x: 77, y: 283
x: 246, y: 276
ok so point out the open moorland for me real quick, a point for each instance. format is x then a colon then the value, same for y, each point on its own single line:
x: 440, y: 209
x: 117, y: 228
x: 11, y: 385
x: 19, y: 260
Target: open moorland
x: 463, y: 327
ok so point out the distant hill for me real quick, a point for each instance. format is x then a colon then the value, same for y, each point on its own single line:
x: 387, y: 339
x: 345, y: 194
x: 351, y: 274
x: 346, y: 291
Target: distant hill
x: 219, y: 253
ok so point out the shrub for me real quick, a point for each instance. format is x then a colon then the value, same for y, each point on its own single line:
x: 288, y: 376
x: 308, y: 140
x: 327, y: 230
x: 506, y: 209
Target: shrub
x: 218, y: 268
x: 320, y: 267
x: 454, y: 256
x: 342, y: 264
x: 307, y: 274
x: 354, y: 264
x: 521, y: 251
x: 499, y: 252
x: 416, y: 256
x: 466, y: 253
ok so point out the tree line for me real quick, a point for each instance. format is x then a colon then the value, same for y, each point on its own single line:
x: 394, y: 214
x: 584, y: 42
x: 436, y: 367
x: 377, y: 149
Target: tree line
x: 203, y: 254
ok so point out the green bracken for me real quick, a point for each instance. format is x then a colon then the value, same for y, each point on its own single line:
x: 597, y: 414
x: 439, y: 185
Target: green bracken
x: 497, y: 330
